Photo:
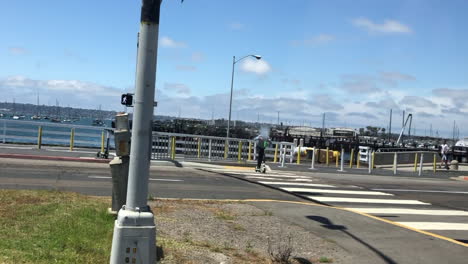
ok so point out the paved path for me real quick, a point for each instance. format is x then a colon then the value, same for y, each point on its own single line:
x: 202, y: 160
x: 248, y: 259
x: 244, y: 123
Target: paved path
x: 384, y: 204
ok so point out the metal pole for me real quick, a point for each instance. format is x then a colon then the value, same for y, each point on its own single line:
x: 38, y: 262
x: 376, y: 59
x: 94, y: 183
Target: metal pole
x: 421, y: 164
x: 342, y: 161
x: 209, y: 149
x: 249, y: 157
x: 230, y: 98
x: 326, y: 157
x: 72, y: 138
x: 275, y: 158
x: 312, y: 165
x: 39, y: 137
x: 298, y: 161
x: 351, y: 159
x: 395, y: 165
x: 284, y: 157
x: 415, y: 161
x: 135, y: 222
x: 369, y: 161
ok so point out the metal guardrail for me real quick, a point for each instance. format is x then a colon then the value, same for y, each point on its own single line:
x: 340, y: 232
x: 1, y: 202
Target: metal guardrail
x: 45, y: 133
x: 188, y: 146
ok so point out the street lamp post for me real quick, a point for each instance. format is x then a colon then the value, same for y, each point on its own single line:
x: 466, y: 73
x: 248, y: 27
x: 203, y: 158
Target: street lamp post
x: 234, y: 61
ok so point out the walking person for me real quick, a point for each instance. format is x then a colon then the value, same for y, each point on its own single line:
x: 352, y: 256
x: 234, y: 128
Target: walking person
x: 444, y: 148
x: 262, y: 144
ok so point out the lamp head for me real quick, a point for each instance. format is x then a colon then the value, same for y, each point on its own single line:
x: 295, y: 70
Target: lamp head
x: 257, y: 56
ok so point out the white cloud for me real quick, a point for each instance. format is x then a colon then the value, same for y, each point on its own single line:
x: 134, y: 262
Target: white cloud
x: 170, y: 43
x: 197, y: 56
x: 236, y: 26
x: 260, y: 67
x: 17, y: 50
x: 388, y: 26
x: 72, y: 92
x: 316, y: 40
x: 178, y: 88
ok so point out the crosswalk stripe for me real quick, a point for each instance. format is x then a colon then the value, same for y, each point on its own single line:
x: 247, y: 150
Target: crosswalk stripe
x: 409, y: 211
x: 297, y: 184
x: 275, y: 179
x: 335, y: 191
x: 364, y: 200
x: 435, y: 225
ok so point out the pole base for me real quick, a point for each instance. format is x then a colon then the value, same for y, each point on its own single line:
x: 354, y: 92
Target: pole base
x: 134, y: 238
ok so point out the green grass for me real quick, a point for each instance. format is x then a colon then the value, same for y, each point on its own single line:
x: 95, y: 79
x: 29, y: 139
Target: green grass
x: 53, y: 227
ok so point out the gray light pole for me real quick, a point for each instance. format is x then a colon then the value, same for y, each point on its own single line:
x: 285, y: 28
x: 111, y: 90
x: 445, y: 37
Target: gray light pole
x: 234, y: 61
x: 134, y: 238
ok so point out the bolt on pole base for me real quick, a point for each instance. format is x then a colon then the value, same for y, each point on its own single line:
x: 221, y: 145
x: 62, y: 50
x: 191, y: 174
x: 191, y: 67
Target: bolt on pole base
x: 134, y: 238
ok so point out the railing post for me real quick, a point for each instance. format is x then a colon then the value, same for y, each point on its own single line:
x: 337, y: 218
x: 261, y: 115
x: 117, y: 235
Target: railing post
x: 226, y: 149
x: 342, y: 160
x: 327, y: 158
x: 351, y: 159
x: 239, y: 153
x: 39, y: 137
x: 276, y: 153
x: 358, y: 159
x: 249, y: 157
x: 312, y: 164
x: 209, y: 149
x: 421, y: 164
x: 4, y: 131
x: 415, y: 162
x: 337, y: 159
x: 298, y: 161
x: 435, y: 163
x: 373, y: 159
x: 72, y: 138
x: 395, y: 163
x: 199, y: 147
x: 102, y: 141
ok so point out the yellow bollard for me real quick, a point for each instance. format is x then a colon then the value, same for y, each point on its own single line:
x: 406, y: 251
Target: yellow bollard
x: 173, y: 150
x: 72, y: 138
x: 337, y: 157
x: 102, y: 141
x: 239, y: 153
x: 199, y: 147
x: 415, y: 162
x: 435, y: 162
x: 351, y: 159
x: 357, y: 160
x: 39, y: 137
x: 298, y: 155
x: 326, y: 158
x: 226, y: 149
x: 276, y: 153
x: 373, y: 158
x: 249, y: 157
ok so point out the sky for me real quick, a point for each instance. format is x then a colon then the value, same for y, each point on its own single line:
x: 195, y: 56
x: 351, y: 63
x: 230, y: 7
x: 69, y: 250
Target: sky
x: 352, y: 60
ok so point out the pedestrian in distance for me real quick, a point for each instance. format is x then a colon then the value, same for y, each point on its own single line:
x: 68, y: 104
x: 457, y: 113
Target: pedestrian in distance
x: 262, y: 143
x: 444, y: 149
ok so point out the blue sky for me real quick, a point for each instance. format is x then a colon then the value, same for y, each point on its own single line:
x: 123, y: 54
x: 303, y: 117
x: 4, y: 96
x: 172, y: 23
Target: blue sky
x: 353, y: 60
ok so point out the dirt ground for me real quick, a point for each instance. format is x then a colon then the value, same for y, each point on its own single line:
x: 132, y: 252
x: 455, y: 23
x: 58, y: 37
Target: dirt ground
x: 190, y: 231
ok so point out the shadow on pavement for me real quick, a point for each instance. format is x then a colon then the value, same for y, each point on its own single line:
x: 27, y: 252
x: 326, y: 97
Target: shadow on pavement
x: 329, y: 225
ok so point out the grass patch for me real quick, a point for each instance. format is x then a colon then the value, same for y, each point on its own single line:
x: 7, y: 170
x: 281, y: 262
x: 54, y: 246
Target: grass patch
x: 223, y: 215
x: 325, y: 260
x: 53, y: 227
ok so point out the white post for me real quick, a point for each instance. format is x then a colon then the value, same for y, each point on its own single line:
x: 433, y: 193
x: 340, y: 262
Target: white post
x: 4, y: 131
x: 421, y: 164
x: 369, y: 160
x: 283, y: 158
x: 395, y: 165
x: 342, y: 161
x: 255, y: 151
x: 291, y: 157
x: 312, y: 165
x: 209, y: 150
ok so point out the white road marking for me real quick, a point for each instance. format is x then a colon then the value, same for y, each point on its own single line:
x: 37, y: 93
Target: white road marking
x: 436, y: 225
x: 270, y: 175
x: 298, y: 184
x: 275, y: 179
x: 169, y: 180
x: 409, y: 211
x: 335, y: 191
x: 423, y: 191
x: 363, y: 200
x: 99, y: 177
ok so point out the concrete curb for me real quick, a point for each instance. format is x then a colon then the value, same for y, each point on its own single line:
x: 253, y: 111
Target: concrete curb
x: 41, y: 157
